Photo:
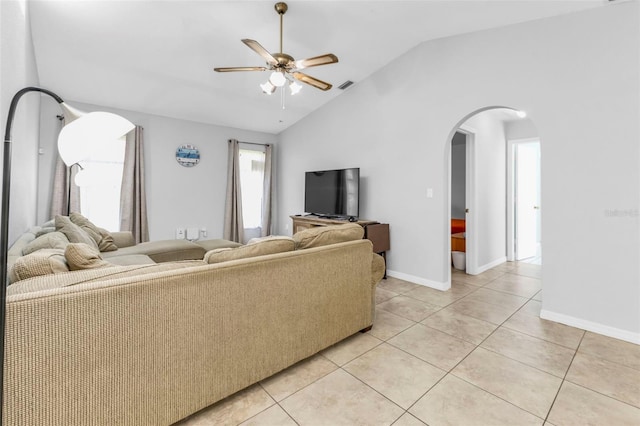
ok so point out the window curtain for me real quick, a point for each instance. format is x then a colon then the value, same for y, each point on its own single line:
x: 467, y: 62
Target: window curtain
x: 65, y: 197
x: 233, y: 225
x: 133, y: 199
x: 266, y: 196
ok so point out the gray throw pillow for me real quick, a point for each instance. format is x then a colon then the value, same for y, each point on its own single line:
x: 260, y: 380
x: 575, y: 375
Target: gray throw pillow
x: 73, y: 232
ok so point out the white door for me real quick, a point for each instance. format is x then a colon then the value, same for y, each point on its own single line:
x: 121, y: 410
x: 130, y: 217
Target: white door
x: 527, y: 199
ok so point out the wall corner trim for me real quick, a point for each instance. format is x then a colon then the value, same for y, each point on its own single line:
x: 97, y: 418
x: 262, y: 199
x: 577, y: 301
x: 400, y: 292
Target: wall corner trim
x: 493, y: 264
x: 616, y: 333
x: 442, y: 286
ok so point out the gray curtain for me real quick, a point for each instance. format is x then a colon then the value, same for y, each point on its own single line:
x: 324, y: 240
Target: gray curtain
x: 65, y: 196
x: 266, y: 195
x: 133, y: 199
x: 233, y: 225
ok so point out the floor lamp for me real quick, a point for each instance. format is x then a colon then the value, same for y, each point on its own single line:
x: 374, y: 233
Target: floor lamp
x: 80, y: 133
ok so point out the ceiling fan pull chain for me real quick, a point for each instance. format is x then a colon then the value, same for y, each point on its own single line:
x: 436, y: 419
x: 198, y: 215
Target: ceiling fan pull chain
x: 282, y: 92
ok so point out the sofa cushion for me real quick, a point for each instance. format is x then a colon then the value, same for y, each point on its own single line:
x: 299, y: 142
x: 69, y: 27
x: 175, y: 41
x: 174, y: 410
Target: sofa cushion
x: 256, y: 247
x: 325, y: 235
x: 209, y: 245
x: 163, y: 251
x: 41, y: 262
x: 83, y: 256
x: 101, y: 236
x: 52, y: 240
x: 74, y: 233
x: 132, y: 259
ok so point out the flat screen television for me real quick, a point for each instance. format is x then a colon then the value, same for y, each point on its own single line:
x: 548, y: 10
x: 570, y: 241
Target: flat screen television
x: 332, y: 193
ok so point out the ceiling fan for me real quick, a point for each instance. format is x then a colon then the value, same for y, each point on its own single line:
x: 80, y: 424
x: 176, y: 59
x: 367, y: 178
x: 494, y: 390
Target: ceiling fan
x: 285, y: 68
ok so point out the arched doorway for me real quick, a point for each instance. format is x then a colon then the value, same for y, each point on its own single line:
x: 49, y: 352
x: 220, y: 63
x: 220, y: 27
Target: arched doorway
x: 486, y: 222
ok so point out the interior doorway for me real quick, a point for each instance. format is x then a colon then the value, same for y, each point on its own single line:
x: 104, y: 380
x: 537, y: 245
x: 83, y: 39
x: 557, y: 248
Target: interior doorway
x: 525, y: 201
x: 490, y: 211
x: 462, y: 193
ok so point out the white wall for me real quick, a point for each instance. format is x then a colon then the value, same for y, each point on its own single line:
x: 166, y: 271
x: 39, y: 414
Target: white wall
x: 577, y: 76
x: 491, y: 189
x: 18, y: 70
x: 176, y: 195
x: 520, y: 129
x: 458, y: 175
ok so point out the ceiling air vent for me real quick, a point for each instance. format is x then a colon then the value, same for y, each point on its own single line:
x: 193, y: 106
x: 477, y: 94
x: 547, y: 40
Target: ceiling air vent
x: 346, y: 84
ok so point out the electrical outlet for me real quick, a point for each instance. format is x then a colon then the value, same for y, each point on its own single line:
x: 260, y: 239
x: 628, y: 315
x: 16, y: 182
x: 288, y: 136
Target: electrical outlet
x: 180, y: 234
x: 193, y: 234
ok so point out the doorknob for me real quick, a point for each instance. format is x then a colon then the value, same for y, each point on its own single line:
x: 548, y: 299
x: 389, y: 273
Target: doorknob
x: 466, y: 210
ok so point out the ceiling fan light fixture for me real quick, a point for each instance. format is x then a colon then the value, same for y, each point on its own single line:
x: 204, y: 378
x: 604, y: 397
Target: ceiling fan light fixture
x: 267, y: 88
x: 295, y: 87
x: 277, y: 78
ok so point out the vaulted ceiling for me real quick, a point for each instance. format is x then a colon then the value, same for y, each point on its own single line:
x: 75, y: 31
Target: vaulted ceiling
x: 157, y: 57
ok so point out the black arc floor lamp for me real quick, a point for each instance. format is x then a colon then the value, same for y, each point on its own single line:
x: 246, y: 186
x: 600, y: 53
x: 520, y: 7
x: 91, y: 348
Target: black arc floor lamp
x: 81, y: 132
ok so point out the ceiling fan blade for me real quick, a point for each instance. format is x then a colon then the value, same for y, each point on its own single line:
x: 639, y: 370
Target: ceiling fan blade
x: 257, y: 47
x: 312, y: 81
x: 231, y: 69
x: 329, y: 58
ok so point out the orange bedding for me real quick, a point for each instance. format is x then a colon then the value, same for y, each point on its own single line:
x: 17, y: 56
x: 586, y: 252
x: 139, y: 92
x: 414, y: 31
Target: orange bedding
x: 458, y: 225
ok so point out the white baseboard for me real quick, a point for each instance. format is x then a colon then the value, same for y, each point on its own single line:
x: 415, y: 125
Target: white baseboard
x: 490, y: 265
x: 616, y: 333
x: 444, y: 286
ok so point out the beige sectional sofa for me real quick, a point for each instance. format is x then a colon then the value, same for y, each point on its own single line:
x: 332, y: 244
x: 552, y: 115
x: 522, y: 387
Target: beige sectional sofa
x: 150, y: 344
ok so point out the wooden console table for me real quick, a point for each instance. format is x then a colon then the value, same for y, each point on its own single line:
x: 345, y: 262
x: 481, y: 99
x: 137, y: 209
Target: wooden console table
x: 377, y: 233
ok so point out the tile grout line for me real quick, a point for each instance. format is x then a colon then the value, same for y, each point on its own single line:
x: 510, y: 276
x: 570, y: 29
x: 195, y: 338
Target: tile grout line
x: 564, y: 379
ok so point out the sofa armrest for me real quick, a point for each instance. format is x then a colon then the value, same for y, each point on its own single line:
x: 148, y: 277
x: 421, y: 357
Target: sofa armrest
x: 123, y: 239
x: 377, y: 270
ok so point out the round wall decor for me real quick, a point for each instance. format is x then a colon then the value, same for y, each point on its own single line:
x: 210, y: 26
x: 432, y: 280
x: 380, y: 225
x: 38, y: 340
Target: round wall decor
x: 187, y: 155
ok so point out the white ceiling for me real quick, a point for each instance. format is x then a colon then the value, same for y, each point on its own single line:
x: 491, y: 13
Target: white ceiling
x: 157, y: 57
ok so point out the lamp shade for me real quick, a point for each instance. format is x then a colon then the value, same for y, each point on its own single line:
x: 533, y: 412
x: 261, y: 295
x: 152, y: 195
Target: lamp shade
x: 76, y: 138
x: 277, y: 79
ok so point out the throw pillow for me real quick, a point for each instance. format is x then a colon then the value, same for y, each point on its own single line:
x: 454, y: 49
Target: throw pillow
x: 52, y: 240
x: 45, y: 230
x: 74, y: 233
x: 82, y: 256
x: 101, y: 236
x: 41, y: 262
x: 325, y: 235
x: 257, y: 247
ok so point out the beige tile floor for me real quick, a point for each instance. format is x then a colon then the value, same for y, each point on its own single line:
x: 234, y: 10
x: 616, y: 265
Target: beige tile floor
x: 477, y: 354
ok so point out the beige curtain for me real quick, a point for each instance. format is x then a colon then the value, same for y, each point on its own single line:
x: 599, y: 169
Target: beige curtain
x: 133, y: 199
x: 65, y: 196
x: 233, y: 225
x: 266, y: 195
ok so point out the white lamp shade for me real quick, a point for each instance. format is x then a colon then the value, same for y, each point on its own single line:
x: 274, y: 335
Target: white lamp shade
x: 277, y: 79
x: 295, y: 87
x: 70, y: 113
x: 77, y: 138
x: 268, y: 88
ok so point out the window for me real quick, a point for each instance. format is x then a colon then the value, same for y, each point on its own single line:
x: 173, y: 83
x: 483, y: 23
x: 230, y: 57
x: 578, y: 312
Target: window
x: 252, y: 188
x: 100, y: 185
